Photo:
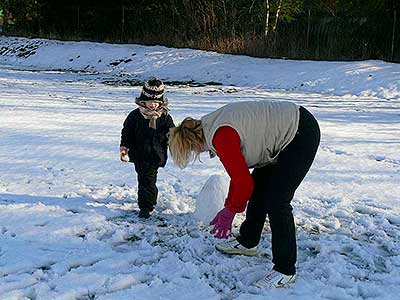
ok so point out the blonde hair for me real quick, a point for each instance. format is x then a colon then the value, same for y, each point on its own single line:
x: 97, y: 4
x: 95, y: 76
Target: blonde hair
x: 185, y: 141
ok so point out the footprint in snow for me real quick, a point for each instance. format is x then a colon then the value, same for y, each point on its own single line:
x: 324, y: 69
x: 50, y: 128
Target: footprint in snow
x: 365, y: 210
x: 393, y: 220
x: 384, y: 159
x: 42, y: 224
x: 335, y: 151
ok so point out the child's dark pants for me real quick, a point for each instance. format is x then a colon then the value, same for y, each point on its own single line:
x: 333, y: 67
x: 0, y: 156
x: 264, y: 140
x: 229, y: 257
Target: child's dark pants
x: 275, y: 185
x: 147, y: 189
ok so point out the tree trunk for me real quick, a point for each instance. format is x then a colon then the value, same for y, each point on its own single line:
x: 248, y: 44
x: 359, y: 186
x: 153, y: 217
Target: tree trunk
x: 278, y: 11
x: 122, y: 22
x: 5, y: 15
x: 266, y: 28
x: 250, y: 12
x: 308, y: 28
x: 226, y: 29
x: 393, y: 33
x: 233, y: 20
x: 78, y: 18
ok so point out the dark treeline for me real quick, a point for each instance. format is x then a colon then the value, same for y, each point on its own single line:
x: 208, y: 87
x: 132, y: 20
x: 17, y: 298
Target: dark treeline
x: 298, y: 29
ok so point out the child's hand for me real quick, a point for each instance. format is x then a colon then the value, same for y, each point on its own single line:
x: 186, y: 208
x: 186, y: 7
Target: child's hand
x: 124, y: 154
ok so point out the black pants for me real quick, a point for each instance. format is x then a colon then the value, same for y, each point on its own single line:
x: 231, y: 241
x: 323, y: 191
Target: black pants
x: 147, y: 189
x: 275, y: 185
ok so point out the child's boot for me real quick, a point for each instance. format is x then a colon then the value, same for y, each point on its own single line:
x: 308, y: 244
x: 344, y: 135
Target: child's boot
x: 144, y: 214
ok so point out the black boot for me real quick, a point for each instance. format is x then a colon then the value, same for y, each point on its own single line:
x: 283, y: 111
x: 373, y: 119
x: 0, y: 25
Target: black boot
x: 144, y: 214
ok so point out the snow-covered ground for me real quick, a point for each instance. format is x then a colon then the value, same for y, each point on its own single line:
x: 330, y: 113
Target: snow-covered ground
x: 68, y: 227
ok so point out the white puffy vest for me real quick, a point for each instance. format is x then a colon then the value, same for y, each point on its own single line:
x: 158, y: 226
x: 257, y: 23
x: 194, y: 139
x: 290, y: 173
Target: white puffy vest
x: 265, y: 128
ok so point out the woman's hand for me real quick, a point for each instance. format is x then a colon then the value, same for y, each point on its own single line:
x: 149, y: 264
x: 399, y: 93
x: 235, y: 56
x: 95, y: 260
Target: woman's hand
x: 223, y: 224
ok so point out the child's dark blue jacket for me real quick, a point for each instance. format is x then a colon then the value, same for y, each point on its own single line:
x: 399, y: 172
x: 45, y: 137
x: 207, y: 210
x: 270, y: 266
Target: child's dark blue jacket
x: 146, y: 144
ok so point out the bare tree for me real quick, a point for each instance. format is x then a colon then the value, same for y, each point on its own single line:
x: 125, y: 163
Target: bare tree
x: 393, y: 33
x: 266, y: 27
x: 277, y: 15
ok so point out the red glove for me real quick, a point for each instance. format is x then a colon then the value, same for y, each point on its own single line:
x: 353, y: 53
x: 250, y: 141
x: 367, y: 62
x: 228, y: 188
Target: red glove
x: 223, y: 224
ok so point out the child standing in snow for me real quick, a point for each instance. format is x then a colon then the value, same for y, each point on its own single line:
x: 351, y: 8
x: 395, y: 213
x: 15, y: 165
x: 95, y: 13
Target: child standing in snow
x: 144, y: 141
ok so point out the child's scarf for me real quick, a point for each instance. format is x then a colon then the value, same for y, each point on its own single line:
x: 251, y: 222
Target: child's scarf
x: 153, y: 114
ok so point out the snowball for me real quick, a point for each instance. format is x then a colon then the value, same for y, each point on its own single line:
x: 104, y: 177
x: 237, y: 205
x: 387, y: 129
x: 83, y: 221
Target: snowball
x: 211, y: 198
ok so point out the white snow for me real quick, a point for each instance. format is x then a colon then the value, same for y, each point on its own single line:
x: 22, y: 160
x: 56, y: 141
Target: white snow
x: 211, y: 198
x: 68, y: 227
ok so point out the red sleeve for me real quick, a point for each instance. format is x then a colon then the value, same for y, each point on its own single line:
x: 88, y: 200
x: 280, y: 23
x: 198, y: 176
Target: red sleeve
x: 226, y: 142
